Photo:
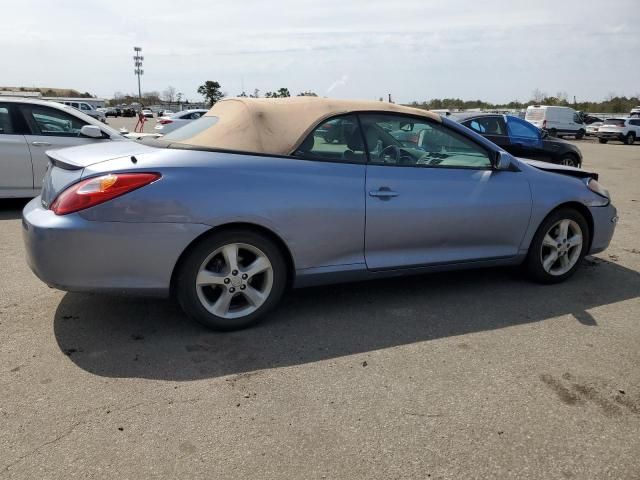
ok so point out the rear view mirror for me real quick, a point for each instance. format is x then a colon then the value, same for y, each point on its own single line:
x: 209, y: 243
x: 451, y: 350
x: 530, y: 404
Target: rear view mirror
x: 503, y: 162
x: 91, y: 131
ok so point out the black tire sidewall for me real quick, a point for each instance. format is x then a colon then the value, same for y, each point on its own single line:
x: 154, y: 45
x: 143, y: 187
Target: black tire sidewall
x: 630, y: 138
x: 185, y: 281
x: 534, y: 263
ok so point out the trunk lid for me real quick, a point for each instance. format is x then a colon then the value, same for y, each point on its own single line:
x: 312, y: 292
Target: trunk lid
x: 66, y: 165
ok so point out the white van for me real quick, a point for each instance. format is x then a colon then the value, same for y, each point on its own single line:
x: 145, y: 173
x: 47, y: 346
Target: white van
x: 558, y: 121
x: 87, y: 109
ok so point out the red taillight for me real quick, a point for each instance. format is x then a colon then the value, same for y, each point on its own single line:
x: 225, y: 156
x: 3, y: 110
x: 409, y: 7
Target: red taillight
x: 164, y: 122
x: 96, y: 190
x: 544, y: 124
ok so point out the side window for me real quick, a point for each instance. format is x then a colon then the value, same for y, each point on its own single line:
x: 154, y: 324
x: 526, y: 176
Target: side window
x: 337, y: 139
x: 523, y: 129
x: 487, y: 125
x: 84, y: 106
x: 75, y: 105
x: 50, y: 121
x: 195, y: 115
x: 410, y: 141
x: 6, y: 126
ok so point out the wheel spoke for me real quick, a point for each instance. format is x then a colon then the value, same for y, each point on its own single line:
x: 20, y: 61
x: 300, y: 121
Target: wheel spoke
x: 575, y: 240
x: 221, y: 307
x: 230, y: 254
x: 549, y: 242
x: 564, y: 261
x: 205, y: 277
x: 563, y: 230
x: 253, y: 296
x: 548, y: 262
x: 259, y: 265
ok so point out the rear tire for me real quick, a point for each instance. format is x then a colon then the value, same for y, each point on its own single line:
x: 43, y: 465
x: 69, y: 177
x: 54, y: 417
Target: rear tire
x: 553, y: 132
x: 230, y: 280
x: 558, y: 247
x: 570, y: 161
x: 630, y: 138
x: 580, y: 134
x: 602, y: 140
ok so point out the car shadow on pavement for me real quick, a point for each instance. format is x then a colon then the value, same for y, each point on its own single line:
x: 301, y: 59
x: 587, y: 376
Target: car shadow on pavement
x: 11, y: 208
x: 151, y: 338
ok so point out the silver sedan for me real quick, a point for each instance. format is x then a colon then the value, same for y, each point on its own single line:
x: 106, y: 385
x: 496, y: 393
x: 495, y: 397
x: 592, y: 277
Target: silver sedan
x: 229, y: 211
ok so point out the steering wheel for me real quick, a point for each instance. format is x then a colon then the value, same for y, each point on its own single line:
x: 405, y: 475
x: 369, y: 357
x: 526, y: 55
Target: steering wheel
x: 390, y: 154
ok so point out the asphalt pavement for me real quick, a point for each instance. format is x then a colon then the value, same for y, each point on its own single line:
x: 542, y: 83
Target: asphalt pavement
x: 477, y: 374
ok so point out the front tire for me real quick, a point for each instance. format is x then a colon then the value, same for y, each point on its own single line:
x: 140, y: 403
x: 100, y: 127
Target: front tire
x: 602, y: 140
x: 230, y: 280
x: 558, y: 246
x: 580, y: 134
x: 553, y: 132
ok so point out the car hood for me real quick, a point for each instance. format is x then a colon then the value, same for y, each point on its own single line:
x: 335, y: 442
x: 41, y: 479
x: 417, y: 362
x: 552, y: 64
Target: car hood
x: 560, y: 169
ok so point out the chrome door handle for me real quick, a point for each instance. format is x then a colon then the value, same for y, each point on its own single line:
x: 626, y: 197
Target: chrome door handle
x: 41, y: 144
x: 383, y: 192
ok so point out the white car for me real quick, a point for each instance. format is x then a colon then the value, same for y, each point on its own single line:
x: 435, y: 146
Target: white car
x: 592, y: 128
x: 557, y: 121
x: 29, y: 128
x: 625, y: 130
x: 170, y: 123
x: 147, y: 113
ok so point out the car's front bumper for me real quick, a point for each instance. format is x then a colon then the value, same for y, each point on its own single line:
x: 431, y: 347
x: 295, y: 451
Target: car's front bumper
x: 605, y: 220
x: 71, y: 253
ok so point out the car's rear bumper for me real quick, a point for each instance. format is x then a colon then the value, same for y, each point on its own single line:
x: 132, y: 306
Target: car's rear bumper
x: 610, y: 135
x: 604, y: 224
x: 73, y: 254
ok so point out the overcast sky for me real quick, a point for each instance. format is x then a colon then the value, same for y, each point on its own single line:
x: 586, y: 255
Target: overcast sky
x: 415, y: 49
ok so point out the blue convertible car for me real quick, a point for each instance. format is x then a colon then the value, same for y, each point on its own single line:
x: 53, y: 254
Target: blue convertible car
x: 228, y: 211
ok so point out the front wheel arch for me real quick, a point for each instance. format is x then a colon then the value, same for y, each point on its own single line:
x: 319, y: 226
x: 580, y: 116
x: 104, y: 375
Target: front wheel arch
x: 579, y: 207
x: 250, y: 227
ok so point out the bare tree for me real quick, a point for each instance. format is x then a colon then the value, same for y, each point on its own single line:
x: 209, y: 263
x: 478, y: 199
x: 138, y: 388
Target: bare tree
x: 169, y: 94
x: 538, y: 95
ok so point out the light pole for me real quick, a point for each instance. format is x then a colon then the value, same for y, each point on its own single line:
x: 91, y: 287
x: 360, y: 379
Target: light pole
x: 137, y: 62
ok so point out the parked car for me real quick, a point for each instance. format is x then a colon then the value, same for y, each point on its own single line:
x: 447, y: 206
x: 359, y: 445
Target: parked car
x: 558, y: 121
x: 521, y: 138
x: 147, y: 113
x: 625, y: 130
x: 168, y: 123
x: 162, y: 113
x: 113, y: 112
x: 592, y: 128
x: 28, y: 128
x: 87, y: 109
x: 233, y: 208
x: 635, y: 112
x: 128, y: 112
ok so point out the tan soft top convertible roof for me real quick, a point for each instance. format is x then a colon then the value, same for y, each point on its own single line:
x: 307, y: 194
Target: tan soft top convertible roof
x: 278, y: 125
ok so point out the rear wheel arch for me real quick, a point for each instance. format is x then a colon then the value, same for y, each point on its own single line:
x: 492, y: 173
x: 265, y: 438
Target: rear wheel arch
x: 243, y: 226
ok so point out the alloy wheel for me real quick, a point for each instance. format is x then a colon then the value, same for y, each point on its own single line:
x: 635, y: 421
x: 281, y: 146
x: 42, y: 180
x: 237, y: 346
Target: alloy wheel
x: 561, y: 247
x: 235, y: 280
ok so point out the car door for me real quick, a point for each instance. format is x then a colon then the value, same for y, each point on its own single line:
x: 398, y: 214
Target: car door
x: 491, y: 127
x: 16, y: 172
x: 50, y: 128
x: 439, y: 203
x: 526, y: 140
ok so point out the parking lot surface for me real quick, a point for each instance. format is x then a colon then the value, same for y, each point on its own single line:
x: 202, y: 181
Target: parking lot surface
x: 476, y: 374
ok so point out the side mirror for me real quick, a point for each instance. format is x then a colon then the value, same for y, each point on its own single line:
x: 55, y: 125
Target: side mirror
x: 91, y: 131
x: 503, y: 162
